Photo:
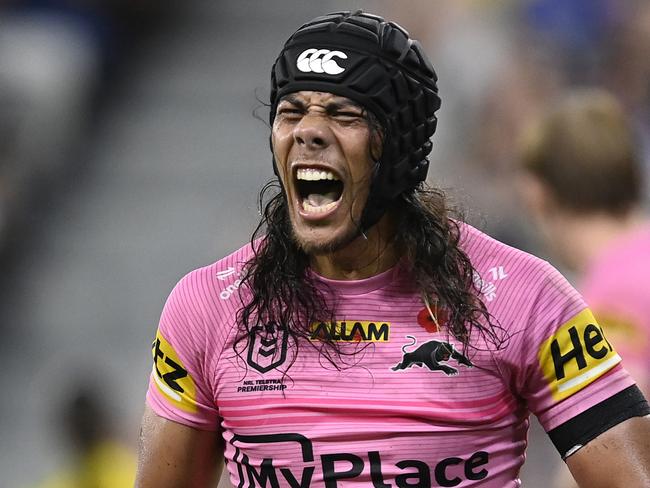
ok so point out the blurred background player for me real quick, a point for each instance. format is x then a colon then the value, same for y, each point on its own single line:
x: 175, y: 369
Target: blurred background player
x: 582, y: 181
x: 97, y: 458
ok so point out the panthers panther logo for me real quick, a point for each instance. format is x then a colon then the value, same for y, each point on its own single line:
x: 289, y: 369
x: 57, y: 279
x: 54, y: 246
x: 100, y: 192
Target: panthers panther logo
x: 431, y: 354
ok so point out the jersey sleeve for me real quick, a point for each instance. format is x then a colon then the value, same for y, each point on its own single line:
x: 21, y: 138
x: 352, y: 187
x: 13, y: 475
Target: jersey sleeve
x: 566, y: 364
x: 180, y: 388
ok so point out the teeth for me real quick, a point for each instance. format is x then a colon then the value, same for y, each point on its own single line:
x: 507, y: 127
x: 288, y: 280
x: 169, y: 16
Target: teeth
x: 307, y: 207
x: 311, y: 174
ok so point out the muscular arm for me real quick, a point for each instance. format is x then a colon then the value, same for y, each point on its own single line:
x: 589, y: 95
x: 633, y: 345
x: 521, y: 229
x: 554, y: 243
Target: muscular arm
x: 619, y: 457
x: 176, y: 456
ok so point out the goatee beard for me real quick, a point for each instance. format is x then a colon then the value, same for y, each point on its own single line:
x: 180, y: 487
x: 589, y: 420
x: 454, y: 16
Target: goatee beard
x: 319, y: 248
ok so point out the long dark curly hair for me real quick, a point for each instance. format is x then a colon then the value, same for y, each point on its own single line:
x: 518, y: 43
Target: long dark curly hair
x: 281, y: 291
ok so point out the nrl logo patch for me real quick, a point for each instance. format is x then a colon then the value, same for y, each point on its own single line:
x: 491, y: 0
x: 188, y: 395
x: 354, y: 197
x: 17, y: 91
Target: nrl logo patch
x: 267, y: 347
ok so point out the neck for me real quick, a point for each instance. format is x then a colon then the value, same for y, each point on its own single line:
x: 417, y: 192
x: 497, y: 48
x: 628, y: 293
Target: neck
x: 581, y: 238
x: 364, y: 257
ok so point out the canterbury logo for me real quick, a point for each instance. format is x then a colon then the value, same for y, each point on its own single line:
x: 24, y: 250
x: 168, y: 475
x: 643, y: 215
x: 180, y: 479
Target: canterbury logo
x: 320, y: 61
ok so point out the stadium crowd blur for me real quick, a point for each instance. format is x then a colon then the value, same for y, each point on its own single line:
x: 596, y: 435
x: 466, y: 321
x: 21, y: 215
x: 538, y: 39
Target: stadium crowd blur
x: 500, y: 64
x: 506, y: 63
x: 58, y: 59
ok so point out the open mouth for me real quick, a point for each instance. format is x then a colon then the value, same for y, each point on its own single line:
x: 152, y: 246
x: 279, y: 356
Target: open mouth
x: 319, y: 190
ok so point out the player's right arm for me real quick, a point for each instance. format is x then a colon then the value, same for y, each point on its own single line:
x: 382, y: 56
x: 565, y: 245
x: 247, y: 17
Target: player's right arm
x: 173, y: 455
x: 180, y: 442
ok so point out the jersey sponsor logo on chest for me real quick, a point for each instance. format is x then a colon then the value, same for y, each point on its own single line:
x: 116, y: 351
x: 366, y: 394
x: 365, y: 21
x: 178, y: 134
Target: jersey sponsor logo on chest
x: 341, y: 467
x: 350, y: 331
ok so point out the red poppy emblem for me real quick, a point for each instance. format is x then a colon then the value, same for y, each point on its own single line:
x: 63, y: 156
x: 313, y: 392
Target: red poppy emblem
x: 426, y: 321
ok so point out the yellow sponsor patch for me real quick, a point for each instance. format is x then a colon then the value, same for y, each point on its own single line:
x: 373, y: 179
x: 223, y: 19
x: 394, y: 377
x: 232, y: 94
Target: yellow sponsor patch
x: 576, y: 355
x: 171, y: 377
x: 350, y: 331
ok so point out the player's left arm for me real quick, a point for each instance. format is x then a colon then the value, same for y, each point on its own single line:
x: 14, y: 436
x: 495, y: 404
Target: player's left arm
x: 572, y: 379
x: 619, y: 457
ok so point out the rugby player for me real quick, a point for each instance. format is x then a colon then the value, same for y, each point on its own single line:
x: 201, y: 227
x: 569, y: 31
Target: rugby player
x: 364, y: 337
x: 590, y: 213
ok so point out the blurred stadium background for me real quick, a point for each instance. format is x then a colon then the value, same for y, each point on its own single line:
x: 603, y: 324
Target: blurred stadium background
x: 130, y: 154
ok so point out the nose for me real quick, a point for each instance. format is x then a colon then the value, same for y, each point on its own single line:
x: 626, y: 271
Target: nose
x: 312, y: 132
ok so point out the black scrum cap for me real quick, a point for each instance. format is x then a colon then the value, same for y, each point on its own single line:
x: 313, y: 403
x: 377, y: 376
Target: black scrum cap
x: 375, y: 63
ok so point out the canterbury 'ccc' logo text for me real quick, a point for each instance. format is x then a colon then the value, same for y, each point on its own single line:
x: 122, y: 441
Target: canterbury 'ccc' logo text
x: 320, y: 61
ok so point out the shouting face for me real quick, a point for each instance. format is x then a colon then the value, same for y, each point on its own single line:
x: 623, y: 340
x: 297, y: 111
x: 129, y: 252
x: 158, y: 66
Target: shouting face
x: 325, y: 149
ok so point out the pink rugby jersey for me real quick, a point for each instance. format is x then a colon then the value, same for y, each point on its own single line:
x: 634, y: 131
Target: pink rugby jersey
x: 411, y: 407
x: 616, y: 285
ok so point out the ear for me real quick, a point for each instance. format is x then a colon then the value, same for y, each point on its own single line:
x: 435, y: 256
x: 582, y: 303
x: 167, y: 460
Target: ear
x: 535, y: 194
x: 376, y: 143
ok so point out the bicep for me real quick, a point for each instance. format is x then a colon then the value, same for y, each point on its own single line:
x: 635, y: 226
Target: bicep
x: 173, y: 455
x: 619, y: 457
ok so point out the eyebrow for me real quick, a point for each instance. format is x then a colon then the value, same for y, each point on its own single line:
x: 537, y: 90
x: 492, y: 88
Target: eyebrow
x: 330, y: 107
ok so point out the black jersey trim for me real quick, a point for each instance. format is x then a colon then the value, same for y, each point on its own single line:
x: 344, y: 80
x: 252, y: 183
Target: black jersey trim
x: 570, y: 436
